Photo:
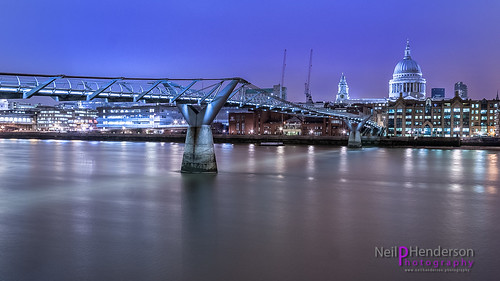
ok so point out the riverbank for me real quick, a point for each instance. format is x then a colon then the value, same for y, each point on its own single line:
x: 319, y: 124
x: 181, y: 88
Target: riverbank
x: 295, y: 140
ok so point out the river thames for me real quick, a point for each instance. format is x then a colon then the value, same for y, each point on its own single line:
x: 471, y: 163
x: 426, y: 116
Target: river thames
x: 78, y: 210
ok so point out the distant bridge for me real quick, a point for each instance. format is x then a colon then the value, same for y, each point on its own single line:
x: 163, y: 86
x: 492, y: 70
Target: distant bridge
x: 199, y: 100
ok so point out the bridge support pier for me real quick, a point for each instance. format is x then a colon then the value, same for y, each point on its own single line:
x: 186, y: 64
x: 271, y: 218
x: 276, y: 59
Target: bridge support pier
x: 199, y: 153
x: 355, y: 132
x: 354, y: 139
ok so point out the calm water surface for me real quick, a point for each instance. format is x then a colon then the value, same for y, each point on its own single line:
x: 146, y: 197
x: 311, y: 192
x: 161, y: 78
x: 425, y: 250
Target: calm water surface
x: 74, y: 210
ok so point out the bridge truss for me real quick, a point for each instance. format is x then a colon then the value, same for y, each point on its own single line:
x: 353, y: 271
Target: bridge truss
x: 158, y: 90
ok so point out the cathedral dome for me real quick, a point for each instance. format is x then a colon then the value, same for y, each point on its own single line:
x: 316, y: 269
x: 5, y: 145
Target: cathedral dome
x: 407, y: 65
x: 407, y: 80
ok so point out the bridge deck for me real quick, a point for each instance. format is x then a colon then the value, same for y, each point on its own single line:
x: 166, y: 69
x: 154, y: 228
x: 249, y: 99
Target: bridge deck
x: 155, y: 90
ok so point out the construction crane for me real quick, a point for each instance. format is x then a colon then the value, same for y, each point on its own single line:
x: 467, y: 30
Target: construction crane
x: 283, y: 76
x: 308, y: 83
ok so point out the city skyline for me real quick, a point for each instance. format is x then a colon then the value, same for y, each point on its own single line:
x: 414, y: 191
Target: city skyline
x: 451, y: 40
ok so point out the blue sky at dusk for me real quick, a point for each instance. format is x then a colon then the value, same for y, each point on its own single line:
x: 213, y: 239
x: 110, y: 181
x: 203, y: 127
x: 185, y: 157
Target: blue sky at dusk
x: 451, y: 40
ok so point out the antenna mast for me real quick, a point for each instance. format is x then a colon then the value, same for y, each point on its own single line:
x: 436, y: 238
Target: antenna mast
x: 308, y: 83
x: 283, y: 75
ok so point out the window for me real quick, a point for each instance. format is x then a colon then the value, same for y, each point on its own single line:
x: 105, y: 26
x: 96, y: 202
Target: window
x: 399, y: 122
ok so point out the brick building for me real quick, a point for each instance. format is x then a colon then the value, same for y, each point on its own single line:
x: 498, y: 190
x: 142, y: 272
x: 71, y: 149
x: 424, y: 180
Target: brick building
x: 261, y: 122
x: 442, y: 118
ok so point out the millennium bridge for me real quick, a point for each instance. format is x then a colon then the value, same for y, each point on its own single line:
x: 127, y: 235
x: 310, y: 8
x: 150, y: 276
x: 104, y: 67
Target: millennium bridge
x: 199, y: 101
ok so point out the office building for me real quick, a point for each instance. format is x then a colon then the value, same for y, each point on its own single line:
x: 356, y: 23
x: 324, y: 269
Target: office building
x: 437, y: 93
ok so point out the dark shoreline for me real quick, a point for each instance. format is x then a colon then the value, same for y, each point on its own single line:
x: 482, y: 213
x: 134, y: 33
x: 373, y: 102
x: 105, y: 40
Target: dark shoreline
x: 424, y: 142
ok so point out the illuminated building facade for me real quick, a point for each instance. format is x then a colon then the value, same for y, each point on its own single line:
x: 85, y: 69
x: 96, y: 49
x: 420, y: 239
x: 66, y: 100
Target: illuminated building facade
x: 50, y: 118
x: 257, y: 122
x: 17, y: 119
x: 343, y: 91
x: 442, y: 118
x: 4, y: 104
x: 438, y: 93
x: 292, y: 126
x: 461, y: 90
x: 139, y: 116
x: 261, y: 122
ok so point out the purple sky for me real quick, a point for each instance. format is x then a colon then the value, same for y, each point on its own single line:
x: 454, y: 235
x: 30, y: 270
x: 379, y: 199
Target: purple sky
x: 451, y: 40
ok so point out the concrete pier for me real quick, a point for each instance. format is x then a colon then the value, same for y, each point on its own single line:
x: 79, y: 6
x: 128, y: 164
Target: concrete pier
x: 355, y: 132
x: 199, y: 154
x: 354, y: 139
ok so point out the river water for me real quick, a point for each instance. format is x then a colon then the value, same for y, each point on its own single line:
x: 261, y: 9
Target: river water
x: 76, y: 210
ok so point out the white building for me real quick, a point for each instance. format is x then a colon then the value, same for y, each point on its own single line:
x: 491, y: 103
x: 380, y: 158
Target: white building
x: 343, y: 92
x: 407, y: 78
x: 4, y: 104
x: 461, y: 89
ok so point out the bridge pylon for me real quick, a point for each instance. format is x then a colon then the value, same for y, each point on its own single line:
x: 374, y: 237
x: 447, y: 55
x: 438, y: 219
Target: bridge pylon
x: 355, y: 132
x: 199, y: 154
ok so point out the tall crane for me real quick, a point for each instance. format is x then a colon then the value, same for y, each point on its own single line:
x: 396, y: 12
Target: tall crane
x: 308, y: 83
x: 283, y: 76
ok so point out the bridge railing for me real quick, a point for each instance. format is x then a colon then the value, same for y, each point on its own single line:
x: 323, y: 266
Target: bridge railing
x: 159, y: 90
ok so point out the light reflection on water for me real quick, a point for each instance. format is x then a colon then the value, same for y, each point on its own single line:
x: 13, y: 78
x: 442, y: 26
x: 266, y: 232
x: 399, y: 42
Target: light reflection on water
x: 122, y: 211
x: 493, y: 167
